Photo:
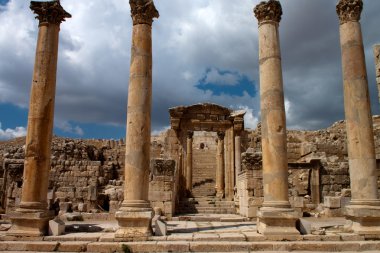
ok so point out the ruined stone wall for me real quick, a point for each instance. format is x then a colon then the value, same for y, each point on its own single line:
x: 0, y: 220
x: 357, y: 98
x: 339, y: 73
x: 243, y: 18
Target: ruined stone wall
x: 318, y: 169
x: 81, y: 172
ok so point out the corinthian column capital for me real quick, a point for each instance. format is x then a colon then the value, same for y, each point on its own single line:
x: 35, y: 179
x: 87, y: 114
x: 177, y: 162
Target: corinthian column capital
x: 268, y: 11
x: 49, y: 12
x: 349, y: 10
x: 143, y: 11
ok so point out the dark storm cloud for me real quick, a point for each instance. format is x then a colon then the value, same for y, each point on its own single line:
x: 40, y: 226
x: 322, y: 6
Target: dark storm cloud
x: 188, y: 38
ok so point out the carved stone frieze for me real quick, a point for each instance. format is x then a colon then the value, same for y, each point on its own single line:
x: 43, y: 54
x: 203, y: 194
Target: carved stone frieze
x: 268, y: 11
x: 143, y: 11
x: 49, y: 12
x: 349, y: 10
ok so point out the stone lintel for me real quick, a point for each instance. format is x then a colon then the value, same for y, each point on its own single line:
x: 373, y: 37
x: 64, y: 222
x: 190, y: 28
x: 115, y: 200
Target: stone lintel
x: 143, y: 11
x: 277, y: 221
x: 349, y: 10
x: 134, y: 225
x: 270, y: 11
x: 49, y: 12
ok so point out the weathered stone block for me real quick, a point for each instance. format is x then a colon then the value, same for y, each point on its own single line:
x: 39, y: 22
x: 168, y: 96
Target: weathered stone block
x: 332, y: 202
x: 56, y: 227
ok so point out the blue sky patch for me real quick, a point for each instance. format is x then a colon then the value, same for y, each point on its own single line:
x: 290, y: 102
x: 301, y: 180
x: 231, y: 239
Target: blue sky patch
x: 93, y: 131
x: 3, y: 2
x: 226, y: 82
x: 12, y: 116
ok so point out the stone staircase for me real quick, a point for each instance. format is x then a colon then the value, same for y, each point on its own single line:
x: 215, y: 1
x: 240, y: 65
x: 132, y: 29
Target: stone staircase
x: 206, y: 205
x: 204, y: 172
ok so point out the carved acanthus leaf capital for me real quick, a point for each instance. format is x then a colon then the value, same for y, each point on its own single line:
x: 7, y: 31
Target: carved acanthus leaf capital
x: 349, y: 10
x: 143, y: 11
x: 268, y: 11
x: 49, y: 12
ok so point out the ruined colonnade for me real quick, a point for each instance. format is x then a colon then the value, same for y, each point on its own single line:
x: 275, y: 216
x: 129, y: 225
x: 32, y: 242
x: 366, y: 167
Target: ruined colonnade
x: 134, y: 216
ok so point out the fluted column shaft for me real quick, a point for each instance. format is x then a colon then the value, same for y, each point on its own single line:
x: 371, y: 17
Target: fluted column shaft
x: 275, y: 164
x: 360, y: 139
x: 220, y: 166
x: 135, y: 213
x: 189, y: 161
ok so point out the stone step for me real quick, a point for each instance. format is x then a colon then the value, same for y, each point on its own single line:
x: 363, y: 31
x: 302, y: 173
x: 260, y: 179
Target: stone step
x: 191, y: 246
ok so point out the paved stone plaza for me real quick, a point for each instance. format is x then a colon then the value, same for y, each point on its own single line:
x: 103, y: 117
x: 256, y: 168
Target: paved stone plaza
x: 229, y: 234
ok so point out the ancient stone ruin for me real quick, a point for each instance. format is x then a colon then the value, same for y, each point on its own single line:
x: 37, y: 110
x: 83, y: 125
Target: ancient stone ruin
x: 280, y: 184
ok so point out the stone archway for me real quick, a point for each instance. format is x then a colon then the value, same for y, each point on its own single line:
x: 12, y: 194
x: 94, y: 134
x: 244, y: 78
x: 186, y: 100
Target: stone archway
x: 228, y: 124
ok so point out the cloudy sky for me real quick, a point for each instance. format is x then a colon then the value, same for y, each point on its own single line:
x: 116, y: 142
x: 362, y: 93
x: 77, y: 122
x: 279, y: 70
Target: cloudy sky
x: 203, y: 51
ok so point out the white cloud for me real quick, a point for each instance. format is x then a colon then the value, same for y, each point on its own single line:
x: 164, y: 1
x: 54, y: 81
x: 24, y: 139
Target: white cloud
x: 214, y: 76
x: 250, y: 120
x: 11, y: 133
x: 67, y: 127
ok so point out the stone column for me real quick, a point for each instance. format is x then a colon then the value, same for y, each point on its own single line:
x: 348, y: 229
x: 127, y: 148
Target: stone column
x: 276, y: 216
x: 135, y: 214
x: 189, y: 162
x: 376, y: 50
x: 237, y: 154
x: 220, y: 166
x: 364, y: 208
x: 31, y: 217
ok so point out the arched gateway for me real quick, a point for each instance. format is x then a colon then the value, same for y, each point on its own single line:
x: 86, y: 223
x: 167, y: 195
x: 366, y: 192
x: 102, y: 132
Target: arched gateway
x: 228, y: 124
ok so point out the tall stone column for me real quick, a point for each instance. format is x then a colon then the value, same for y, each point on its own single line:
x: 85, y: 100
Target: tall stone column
x: 276, y: 216
x: 237, y: 154
x: 31, y: 217
x: 376, y: 50
x: 135, y: 214
x: 189, y: 162
x: 364, y: 208
x: 220, y: 166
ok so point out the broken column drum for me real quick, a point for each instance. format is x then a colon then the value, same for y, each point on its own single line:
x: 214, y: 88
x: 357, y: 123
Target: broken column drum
x: 31, y: 218
x: 135, y: 214
x: 364, y: 208
x: 276, y: 216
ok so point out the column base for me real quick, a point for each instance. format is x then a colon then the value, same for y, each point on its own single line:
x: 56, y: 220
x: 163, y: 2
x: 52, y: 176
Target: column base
x: 365, y: 219
x: 219, y: 195
x: 29, y: 223
x: 277, y: 221
x: 134, y: 223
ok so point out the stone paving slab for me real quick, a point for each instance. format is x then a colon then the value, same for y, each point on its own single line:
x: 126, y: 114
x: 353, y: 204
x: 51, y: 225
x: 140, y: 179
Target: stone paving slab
x: 182, y: 246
